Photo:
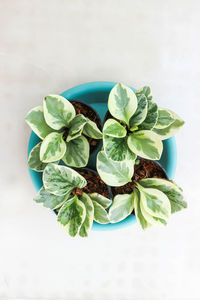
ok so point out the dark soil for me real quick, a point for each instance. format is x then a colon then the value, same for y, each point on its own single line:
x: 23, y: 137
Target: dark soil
x: 90, y: 113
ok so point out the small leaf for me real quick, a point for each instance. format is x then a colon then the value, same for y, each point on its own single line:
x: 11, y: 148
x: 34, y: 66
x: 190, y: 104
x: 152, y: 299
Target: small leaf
x: 76, y: 127
x: 151, y: 219
x: 72, y: 215
x: 34, y: 161
x: 122, y: 102
x: 60, y: 180
x: 49, y: 200
x: 172, y: 129
x: 121, y: 208
x: 58, y: 111
x: 90, y: 129
x: 77, y: 152
x: 35, y: 119
x: 87, y: 224
x: 151, y: 117
x: 114, y: 173
x: 52, y: 148
x: 141, y: 112
x: 139, y: 216
x: 117, y: 148
x: 165, y: 118
x: 145, y: 91
x: 170, y: 189
x: 146, y: 144
x: 103, y: 201
x: 114, y: 129
x: 100, y: 214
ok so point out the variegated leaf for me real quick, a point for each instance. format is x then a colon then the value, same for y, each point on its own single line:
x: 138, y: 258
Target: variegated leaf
x: 60, y: 180
x: 34, y: 161
x: 146, y: 144
x: 53, y: 147
x: 121, y: 208
x: 35, y: 119
x: 77, y: 152
x: 139, y: 216
x: 122, y: 102
x: 146, y: 91
x: 72, y: 215
x: 100, y: 214
x: 114, y: 173
x: 165, y: 118
x: 151, y: 219
x: 141, y: 112
x: 170, y: 189
x: 103, y: 201
x: 90, y: 129
x: 87, y: 224
x: 58, y: 111
x: 114, y: 129
x: 49, y: 200
x: 76, y: 127
x: 151, y: 117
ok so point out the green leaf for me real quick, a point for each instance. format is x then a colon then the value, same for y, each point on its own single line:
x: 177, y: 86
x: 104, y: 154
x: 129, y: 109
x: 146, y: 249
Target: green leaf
x: 52, y: 148
x: 141, y: 112
x: 103, y: 201
x: 76, y: 127
x: 60, y: 180
x: 146, y: 144
x: 35, y: 119
x: 170, y: 189
x: 87, y: 224
x: 151, y: 118
x: 34, y: 161
x: 117, y: 148
x: 145, y: 91
x: 58, y: 111
x: 138, y: 213
x: 172, y: 129
x: 77, y: 152
x: 100, y: 214
x: 165, y: 118
x: 155, y: 202
x: 122, y: 102
x: 49, y: 200
x: 121, y: 208
x: 114, y: 129
x: 114, y: 173
x: 151, y: 219
x: 72, y: 215
x: 90, y: 129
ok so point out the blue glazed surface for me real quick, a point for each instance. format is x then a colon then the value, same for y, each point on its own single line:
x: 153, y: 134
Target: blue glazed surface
x: 96, y: 94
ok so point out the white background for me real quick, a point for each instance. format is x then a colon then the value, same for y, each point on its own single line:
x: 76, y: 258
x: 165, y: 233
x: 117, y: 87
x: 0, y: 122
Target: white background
x: 47, y: 47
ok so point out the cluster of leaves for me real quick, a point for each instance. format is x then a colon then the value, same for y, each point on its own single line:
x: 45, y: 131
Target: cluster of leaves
x: 75, y: 211
x: 62, y: 133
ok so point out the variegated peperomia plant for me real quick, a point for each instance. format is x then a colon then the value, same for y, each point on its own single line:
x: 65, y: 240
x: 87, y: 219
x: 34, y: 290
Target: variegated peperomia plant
x: 138, y: 126
x: 76, y: 210
x: 62, y: 133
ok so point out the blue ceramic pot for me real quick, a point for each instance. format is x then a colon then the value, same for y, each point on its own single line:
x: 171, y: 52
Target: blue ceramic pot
x: 96, y: 94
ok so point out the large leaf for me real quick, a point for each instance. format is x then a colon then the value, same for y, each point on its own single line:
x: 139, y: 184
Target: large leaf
x: 170, y: 189
x: 155, y: 202
x: 151, y: 117
x: 52, y: 148
x: 114, y: 173
x: 146, y: 144
x: 76, y: 127
x: 77, y: 152
x: 72, y: 215
x: 145, y: 91
x: 34, y: 161
x: 114, y: 129
x: 58, y: 111
x: 117, y: 148
x: 139, y: 216
x: 103, y: 201
x: 100, y: 214
x: 151, y: 219
x: 122, y: 102
x: 87, y: 224
x: 172, y: 129
x: 49, y: 200
x: 141, y: 112
x: 165, y: 118
x: 60, y: 180
x: 121, y: 208
x: 35, y: 119
x: 90, y: 129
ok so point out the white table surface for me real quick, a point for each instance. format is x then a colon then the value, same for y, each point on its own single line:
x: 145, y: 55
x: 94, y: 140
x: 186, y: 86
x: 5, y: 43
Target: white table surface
x: 48, y: 46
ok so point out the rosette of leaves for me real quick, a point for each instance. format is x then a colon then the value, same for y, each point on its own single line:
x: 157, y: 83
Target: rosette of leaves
x: 76, y: 210
x: 63, y: 134
x: 138, y: 125
x: 152, y: 199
